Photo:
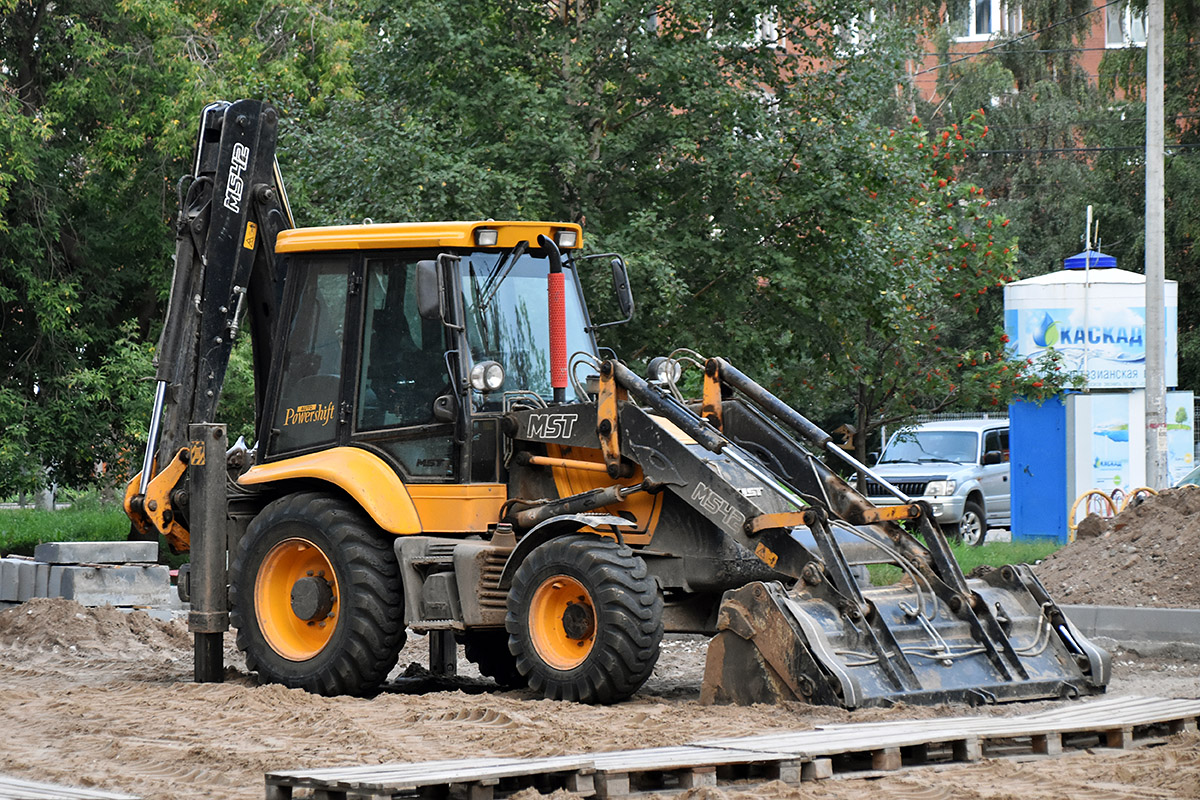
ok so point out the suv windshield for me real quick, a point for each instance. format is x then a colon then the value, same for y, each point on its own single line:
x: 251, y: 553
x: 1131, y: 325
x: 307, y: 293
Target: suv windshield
x: 923, y: 446
x: 508, y: 319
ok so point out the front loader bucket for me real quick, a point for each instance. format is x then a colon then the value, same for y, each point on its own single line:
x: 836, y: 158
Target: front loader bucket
x: 775, y: 645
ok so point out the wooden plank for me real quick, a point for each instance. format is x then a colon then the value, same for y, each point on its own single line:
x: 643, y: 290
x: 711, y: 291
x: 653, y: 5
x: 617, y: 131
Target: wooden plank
x: 817, y: 770
x: 1047, y: 744
x: 697, y: 777
x: 278, y: 792
x: 794, y: 756
x: 409, y: 776
x: 1120, y: 738
x: 673, y: 758
x: 1183, y: 726
x: 612, y: 784
x: 18, y: 789
x: 967, y: 749
x: 887, y: 758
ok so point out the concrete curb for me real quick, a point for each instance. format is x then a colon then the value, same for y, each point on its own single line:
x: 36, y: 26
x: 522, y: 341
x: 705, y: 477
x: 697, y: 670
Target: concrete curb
x: 1137, y: 625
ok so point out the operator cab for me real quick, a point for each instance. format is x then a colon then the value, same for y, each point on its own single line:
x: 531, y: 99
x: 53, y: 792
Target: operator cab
x: 361, y: 365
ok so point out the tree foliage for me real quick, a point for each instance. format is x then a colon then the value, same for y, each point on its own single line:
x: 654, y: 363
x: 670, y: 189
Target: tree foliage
x: 98, y: 103
x: 739, y: 155
x: 1063, y: 140
x: 747, y: 157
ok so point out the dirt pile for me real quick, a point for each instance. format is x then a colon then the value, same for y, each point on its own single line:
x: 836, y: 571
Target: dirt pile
x: 46, y: 624
x: 1145, y: 556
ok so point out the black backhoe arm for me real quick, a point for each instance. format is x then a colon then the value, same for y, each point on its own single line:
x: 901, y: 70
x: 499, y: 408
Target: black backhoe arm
x: 231, y: 207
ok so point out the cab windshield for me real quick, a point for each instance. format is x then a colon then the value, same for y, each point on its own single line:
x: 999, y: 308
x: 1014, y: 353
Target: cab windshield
x: 508, y: 319
x: 920, y: 447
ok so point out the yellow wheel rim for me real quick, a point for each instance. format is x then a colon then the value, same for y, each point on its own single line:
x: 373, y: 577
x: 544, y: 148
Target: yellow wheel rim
x: 562, y: 622
x: 289, y: 635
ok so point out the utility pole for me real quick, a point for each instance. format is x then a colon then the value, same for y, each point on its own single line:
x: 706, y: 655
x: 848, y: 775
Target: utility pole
x: 1156, y: 390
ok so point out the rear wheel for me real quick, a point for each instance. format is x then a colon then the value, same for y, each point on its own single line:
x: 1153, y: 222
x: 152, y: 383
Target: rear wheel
x: 315, y: 596
x: 972, y: 528
x: 585, y: 620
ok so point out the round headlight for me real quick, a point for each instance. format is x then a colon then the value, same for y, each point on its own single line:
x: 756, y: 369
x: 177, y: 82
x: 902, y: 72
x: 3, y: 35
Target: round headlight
x: 662, y: 370
x: 487, y: 376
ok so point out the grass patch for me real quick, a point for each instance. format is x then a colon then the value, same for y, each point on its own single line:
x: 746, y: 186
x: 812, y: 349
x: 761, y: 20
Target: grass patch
x: 993, y: 554
x: 21, y: 530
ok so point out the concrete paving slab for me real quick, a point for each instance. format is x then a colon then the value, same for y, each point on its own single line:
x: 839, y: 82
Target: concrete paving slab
x: 26, y: 579
x: 41, y: 579
x: 97, y: 552
x: 113, y: 586
x: 8, y: 579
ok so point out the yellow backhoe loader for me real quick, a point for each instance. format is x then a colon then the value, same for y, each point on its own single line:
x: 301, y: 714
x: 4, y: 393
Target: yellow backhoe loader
x: 443, y: 448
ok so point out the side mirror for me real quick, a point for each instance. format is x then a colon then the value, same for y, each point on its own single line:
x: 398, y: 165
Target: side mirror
x: 429, y: 291
x: 620, y: 279
x: 993, y: 457
x: 873, y: 458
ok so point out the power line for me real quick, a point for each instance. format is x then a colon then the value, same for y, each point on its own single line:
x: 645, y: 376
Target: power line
x: 1082, y: 122
x: 1051, y: 150
x: 1020, y: 38
x: 1061, y: 49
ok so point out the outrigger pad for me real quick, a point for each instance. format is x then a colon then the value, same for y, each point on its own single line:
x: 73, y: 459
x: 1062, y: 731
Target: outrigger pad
x: 775, y: 646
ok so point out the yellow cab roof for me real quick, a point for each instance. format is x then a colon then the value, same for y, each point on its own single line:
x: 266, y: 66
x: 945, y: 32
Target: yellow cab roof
x: 413, y: 235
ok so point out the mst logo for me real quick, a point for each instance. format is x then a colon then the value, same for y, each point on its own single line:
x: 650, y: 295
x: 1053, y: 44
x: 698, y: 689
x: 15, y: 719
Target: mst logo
x: 313, y: 412
x: 236, y: 186
x: 552, y: 426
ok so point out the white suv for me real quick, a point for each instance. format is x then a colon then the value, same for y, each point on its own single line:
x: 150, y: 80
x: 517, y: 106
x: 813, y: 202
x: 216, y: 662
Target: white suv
x: 960, y: 467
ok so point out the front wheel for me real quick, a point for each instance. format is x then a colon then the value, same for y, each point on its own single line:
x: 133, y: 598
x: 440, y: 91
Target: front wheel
x: 315, y: 596
x: 584, y: 620
x: 972, y: 528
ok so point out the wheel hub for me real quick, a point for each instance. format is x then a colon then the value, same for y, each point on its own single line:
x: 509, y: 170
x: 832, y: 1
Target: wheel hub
x: 579, y: 621
x: 312, y: 598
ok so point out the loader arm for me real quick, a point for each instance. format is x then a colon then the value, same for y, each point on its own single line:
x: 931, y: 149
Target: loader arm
x: 231, y: 208
x: 817, y: 634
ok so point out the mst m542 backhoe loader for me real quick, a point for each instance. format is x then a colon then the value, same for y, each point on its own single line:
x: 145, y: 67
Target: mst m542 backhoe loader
x: 442, y: 448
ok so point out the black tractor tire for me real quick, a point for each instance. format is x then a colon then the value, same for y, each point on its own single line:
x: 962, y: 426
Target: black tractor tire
x: 488, y: 650
x: 584, y: 620
x: 280, y: 595
x: 972, y: 529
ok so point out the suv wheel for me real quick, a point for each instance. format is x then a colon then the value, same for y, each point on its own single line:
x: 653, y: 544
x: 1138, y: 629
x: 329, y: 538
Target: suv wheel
x: 972, y: 528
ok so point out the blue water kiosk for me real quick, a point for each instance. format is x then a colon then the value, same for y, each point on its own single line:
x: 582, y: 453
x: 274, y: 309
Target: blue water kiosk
x: 1094, y: 315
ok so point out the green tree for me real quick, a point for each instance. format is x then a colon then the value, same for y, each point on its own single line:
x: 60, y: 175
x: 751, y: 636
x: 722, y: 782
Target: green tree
x: 739, y: 155
x: 98, y: 105
x: 1063, y: 140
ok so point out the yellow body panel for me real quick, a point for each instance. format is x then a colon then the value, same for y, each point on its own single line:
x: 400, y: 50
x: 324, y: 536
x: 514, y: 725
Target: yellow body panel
x: 416, y: 235
x: 395, y: 506
x: 458, y: 508
x: 644, y: 507
x: 366, y: 477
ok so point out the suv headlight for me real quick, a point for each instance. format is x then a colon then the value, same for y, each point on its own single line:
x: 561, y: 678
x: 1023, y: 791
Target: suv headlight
x: 939, y: 488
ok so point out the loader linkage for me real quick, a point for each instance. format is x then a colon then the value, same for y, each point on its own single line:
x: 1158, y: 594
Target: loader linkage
x: 817, y: 635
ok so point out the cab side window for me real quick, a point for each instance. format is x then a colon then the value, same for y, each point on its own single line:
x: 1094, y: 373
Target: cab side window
x: 998, y: 441
x: 311, y: 373
x: 403, y: 362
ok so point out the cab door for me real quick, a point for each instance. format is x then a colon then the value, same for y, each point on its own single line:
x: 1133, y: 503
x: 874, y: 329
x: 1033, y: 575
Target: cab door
x: 306, y: 391
x: 994, y: 478
x: 404, y: 398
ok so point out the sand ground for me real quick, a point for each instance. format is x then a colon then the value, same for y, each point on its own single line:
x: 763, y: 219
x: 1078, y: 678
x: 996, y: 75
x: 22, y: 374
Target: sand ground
x: 101, y: 698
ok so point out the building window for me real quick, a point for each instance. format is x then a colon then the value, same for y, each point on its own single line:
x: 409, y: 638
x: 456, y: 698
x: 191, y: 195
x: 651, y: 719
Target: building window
x: 981, y: 19
x: 857, y: 35
x: 768, y: 31
x: 1124, y: 27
